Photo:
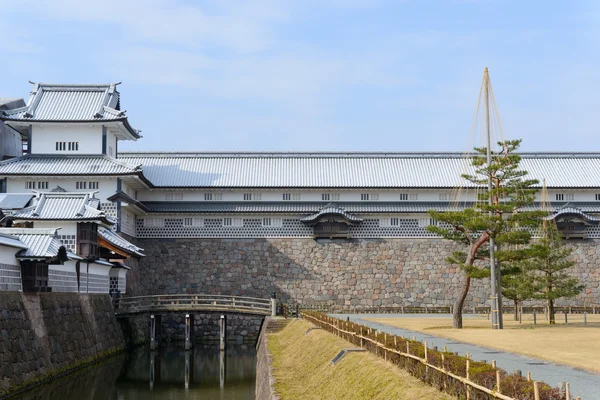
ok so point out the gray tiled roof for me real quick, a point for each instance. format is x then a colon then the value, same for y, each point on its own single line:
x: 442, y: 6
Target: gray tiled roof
x: 348, y: 170
x: 63, y: 207
x: 569, y: 209
x: 331, y: 209
x: 41, y: 243
x: 120, y: 242
x: 71, y: 103
x: 11, y: 201
x: 51, y: 165
x: 312, y: 207
x: 11, y: 241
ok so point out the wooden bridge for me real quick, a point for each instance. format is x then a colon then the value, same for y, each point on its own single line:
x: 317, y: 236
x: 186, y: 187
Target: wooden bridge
x: 190, y: 303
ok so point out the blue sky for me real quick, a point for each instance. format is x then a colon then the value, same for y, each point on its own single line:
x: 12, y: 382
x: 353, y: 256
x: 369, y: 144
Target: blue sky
x: 319, y: 75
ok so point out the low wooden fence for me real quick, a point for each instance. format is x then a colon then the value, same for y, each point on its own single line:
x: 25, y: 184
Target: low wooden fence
x: 292, y: 308
x: 191, y: 303
x: 447, y: 371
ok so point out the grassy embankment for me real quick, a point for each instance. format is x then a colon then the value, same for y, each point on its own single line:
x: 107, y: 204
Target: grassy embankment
x: 573, y: 344
x: 303, y: 370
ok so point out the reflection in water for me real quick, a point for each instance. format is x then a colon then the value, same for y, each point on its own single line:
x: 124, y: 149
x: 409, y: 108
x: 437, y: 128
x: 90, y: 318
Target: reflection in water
x: 167, y: 373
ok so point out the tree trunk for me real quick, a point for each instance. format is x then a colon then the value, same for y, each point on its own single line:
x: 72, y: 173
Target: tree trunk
x: 458, y: 306
x: 551, y: 318
x: 516, y: 313
x: 457, y: 321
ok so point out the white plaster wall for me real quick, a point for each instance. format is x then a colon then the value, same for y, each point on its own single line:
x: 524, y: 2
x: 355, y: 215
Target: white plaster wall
x: 111, y: 143
x: 127, y: 222
x: 97, y: 269
x: 307, y: 195
x: 107, y: 186
x: 68, y: 266
x: 67, y: 227
x: 7, y: 255
x: 44, y: 138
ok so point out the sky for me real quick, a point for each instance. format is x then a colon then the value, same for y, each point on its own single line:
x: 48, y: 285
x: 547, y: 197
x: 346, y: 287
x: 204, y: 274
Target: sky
x: 318, y: 75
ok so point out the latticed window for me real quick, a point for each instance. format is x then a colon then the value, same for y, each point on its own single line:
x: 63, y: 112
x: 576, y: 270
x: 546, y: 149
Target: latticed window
x: 403, y: 196
x: 325, y: 197
x: 364, y: 196
x: 287, y: 196
x: 560, y: 197
x: 87, y: 240
x: 247, y: 196
x: 597, y: 196
x: 393, y: 221
x: 173, y: 196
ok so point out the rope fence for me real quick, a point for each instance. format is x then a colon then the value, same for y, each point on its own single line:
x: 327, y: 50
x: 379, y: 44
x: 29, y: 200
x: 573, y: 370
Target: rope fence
x: 453, y: 374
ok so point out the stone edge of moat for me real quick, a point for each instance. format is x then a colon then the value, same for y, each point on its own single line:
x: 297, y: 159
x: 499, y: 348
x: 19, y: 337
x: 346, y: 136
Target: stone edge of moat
x: 265, y: 380
x: 49, y: 335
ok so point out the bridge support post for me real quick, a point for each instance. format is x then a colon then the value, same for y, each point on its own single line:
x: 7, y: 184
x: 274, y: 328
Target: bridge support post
x: 222, y: 337
x: 222, y: 370
x: 187, y: 370
x: 189, y: 331
x: 154, y: 331
x: 273, y: 304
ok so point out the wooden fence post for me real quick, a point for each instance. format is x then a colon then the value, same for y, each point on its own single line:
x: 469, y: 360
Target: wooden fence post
x: 498, y: 381
x: 536, y: 391
x: 528, y: 376
x: 425, y: 348
x: 467, y: 376
x: 567, y: 391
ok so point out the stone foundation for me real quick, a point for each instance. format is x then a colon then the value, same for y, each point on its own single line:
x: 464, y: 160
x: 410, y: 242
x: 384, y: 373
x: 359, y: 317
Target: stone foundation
x: 240, y: 328
x: 377, y: 272
x: 46, y: 334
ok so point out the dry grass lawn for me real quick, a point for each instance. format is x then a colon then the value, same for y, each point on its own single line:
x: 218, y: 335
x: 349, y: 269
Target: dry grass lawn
x: 303, y: 370
x: 573, y: 344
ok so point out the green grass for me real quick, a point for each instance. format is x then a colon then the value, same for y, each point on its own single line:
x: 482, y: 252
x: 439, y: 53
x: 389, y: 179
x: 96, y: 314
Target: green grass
x: 303, y: 370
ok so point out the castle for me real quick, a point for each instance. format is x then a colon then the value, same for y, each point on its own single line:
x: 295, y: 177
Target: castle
x: 345, y: 228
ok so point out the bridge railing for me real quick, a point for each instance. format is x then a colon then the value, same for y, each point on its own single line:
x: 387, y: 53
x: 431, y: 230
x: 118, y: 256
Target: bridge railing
x: 192, y: 302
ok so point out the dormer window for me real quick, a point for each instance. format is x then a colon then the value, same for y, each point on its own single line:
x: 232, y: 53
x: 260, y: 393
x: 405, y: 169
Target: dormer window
x: 330, y: 196
x: 36, y: 185
x: 252, y: 196
x: 67, y: 146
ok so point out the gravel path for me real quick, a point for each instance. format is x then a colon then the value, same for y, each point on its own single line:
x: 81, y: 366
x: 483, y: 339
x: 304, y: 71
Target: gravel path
x: 583, y: 383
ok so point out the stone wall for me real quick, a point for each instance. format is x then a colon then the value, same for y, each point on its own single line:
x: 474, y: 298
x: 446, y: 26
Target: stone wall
x: 265, y: 380
x: 239, y: 328
x: 42, y: 335
x: 377, y: 272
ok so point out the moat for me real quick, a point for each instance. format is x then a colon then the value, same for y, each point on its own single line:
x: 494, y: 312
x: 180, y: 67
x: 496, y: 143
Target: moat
x: 167, y: 373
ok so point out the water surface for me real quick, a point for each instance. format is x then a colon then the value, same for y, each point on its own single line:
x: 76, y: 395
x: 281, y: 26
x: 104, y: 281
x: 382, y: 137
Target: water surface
x: 168, y: 373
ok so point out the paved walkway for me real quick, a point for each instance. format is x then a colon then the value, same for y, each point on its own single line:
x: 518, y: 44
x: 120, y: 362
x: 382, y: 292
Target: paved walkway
x: 583, y: 383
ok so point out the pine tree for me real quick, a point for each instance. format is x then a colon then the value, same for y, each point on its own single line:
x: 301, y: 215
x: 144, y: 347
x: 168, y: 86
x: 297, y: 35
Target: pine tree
x: 517, y: 285
x: 503, y: 219
x: 549, y: 267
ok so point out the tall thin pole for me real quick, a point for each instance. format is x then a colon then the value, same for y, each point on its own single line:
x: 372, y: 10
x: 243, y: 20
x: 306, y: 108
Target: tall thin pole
x: 494, y: 298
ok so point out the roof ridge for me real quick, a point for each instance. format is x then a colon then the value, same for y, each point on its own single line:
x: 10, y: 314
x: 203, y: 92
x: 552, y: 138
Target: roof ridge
x: 341, y: 154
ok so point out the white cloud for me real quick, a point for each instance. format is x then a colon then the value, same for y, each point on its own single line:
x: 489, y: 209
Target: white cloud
x: 239, y: 26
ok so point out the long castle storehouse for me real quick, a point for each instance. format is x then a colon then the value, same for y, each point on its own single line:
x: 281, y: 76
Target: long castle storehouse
x: 327, y: 228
